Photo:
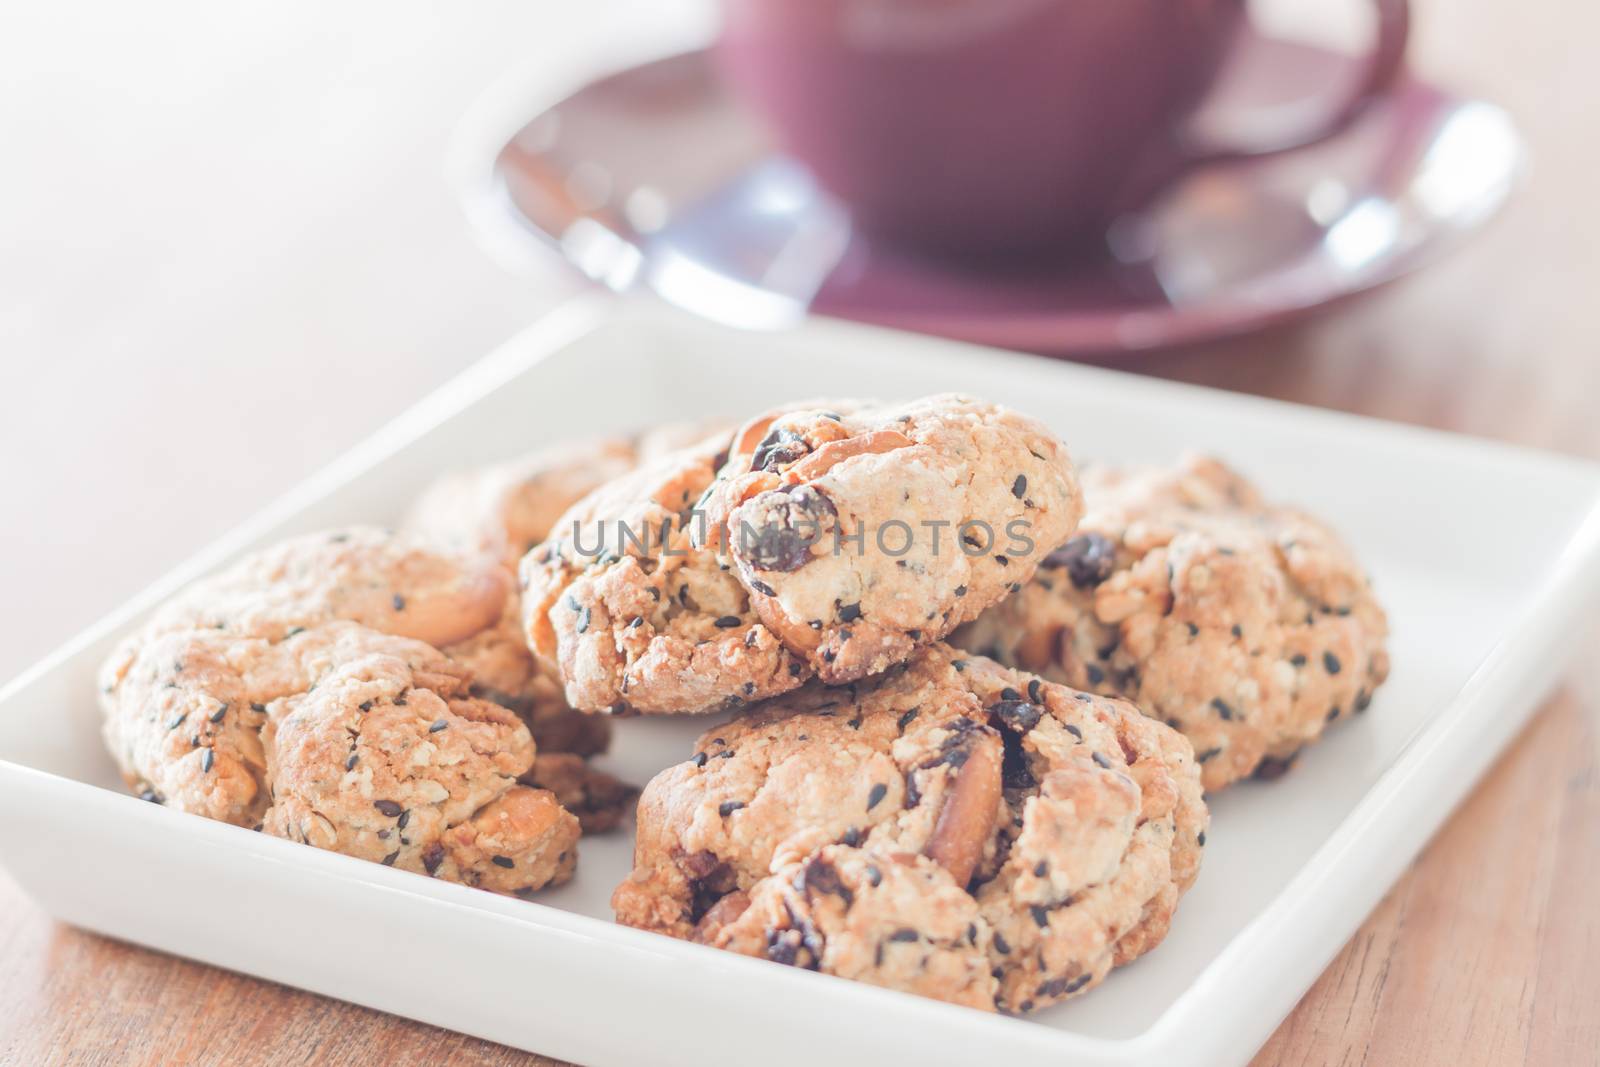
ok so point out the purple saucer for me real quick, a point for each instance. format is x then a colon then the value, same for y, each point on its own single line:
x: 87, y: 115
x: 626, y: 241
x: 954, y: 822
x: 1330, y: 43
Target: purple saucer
x: 655, y: 177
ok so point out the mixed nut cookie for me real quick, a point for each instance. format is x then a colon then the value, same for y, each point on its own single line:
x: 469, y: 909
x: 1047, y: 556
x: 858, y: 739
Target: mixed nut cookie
x: 394, y: 583
x: 950, y: 827
x: 1247, y: 626
x: 342, y: 737
x: 828, y: 541
x: 635, y: 616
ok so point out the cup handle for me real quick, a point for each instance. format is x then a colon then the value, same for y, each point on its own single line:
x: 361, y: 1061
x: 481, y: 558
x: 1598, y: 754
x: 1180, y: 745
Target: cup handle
x: 1383, y: 66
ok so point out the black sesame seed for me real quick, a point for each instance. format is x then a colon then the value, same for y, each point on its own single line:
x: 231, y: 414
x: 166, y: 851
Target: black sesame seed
x: 1194, y: 631
x: 1094, y: 673
x: 1041, y: 868
x: 698, y: 759
x: 1009, y: 693
x: 405, y: 817
x: 437, y: 725
x: 1000, y: 944
x: 503, y: 861
x: 637, y: 621
x: 400, y: 701
x: 959, y: 664
x: 1041, y: 917
x: 728, y: 807
x: 1019, y: 486
x: 728, y: 622
x: 1101, y: 760
x: 905, y: 720
x: 1223, y: 709
x: 1208, y: 754
x: 1035, y: 692
x: 1331, y: 663
x: 399, y: 602
x: 350, y: 764
x: 905, y: 933
x: 218, y: 715
x: 1073, y: 730
x: 852, y: 837
x: 259, y: 709
x: 1333, y: 713
x: 763, y: 588
x: 365, y: 705
x: 961, y: 590
x: 388, y: 861
x: 1298, y: 660
x: 1200, y: 839
x: 874, y: 875
x: 1237, y: 630
x: 876, y: 794
x: 850, y: 612
x: 389, y: 808
x: 208, y: 759
x: 177, y: 722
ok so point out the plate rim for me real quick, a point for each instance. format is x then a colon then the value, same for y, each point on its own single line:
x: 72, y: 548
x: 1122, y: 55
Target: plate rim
x: 1571, y: 583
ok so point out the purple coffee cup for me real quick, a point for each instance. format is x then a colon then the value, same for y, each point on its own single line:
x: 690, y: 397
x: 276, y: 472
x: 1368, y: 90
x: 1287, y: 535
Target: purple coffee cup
x: 1005, y: 125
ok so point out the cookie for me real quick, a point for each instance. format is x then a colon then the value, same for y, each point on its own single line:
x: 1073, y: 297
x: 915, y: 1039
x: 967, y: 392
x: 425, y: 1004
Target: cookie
x: 827, y: 541
x: 950, y: 827
x: 394, y: 583
x: 344, y: 738
x: 1247, y: 626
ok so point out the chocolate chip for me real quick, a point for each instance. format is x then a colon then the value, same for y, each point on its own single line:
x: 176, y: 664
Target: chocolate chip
x: 781, y: 446
x: 1018, y: 716
x: 793, y: 520
x: 1089, y: 559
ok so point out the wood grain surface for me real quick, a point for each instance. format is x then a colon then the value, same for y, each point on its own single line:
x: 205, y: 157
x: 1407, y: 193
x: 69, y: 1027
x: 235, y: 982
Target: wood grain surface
x: 227, y: 252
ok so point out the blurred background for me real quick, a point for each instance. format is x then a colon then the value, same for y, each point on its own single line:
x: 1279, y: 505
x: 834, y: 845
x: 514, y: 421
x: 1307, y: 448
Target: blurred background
x: 231, y: 247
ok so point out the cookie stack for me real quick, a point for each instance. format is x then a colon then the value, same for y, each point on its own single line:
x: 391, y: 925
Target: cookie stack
x: 972, y: 717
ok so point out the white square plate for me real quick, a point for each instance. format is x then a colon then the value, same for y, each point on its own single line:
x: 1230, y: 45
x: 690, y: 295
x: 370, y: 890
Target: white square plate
x: 1486, y: 557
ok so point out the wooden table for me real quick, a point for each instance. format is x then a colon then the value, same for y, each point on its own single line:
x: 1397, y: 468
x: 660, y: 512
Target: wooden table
x: 228, y: 252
